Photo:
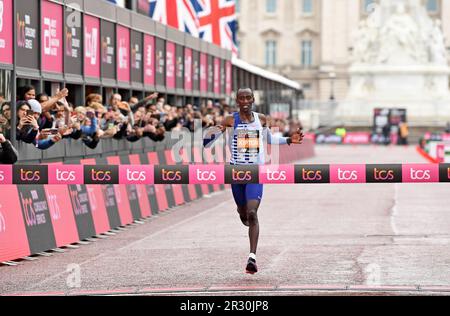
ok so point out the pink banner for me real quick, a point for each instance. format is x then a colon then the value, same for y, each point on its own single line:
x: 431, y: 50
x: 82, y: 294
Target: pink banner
x: 357, y: 138
x: 6, y: 176
x: 206, y: 174
x: 203, y: 77
x: 149, y: 60
x: 51, y: 37
x: 123, y: 54
x: 6, y: 32
x: 13, y: 236
x: 347, y: 173
x: 170, y: 65
x: 216, y: 75
x: 91, y: 46
x: 188, y: 69
x: 279, y: 174
x: 228, y: 78
x: 420, y: 173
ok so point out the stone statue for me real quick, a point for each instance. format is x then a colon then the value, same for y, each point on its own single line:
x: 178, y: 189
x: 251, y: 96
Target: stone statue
x: 399, y: 39
x: 438, y: 53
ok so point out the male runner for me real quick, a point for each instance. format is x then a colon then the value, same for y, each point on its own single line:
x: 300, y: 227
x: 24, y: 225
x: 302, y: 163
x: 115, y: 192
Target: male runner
x: 247, y: 148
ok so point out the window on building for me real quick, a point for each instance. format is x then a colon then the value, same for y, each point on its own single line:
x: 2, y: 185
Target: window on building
x: 368, y: 5
x: 307, y: 53
x: 432, y: 6
x: 271, y: 6
x: 237, y: 6
x: 271, y: 53
x: 307, y: 6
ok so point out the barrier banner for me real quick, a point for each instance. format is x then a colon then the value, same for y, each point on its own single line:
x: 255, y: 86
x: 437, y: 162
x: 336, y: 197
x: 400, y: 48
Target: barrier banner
x: 51, y: 37
x: 91, y: 46
x: 163, y: 192
x: 222, y: 77
x: 13, y: 236
x: 36, y: 214
x: 62, y: 215
x: 144, y: 202
x: 151, y: 190
x: 209, y: 159
x: 198, y: 158
x: 191, y: 188
x: 6, y: 33
x: 100, y: 204
x: 186, y: 188
x: 132, y: 193
x: 176, y: 188
x: 120, y: 193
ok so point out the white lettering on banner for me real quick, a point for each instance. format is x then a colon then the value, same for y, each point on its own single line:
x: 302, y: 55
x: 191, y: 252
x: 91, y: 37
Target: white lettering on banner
x: 2, y: 221
x: 54, y: 207
x: 420, y: 174
x: 136, y: 175
x: 1, y: 15
x: 92, y: 198
x: 51, y: 42
x: 149, y: 61
x: 347, y: 175
x: 91, y: 42
x: 2, y: 176
x: 123, y: 54
x: 206, y: 175
x: 65, y: 175
x: 276, y: 175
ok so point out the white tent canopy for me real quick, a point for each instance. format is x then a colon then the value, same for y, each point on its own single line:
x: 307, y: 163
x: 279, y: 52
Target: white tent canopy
x: 264, y: 73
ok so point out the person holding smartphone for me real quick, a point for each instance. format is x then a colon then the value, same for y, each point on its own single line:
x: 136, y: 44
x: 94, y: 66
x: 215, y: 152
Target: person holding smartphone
x: 8, y: 154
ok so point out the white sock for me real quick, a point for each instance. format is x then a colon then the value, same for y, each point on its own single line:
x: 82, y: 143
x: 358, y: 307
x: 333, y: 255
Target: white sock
x: 252, y: 255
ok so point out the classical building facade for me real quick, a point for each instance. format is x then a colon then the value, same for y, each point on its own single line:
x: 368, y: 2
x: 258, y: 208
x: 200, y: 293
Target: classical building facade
x: 311, y: 41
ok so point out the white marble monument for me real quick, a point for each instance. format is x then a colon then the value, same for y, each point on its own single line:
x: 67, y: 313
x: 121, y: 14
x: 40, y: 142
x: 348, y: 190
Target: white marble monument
x: 399, y: 61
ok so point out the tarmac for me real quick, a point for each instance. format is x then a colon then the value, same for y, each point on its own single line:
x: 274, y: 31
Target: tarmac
x: 320, y: 239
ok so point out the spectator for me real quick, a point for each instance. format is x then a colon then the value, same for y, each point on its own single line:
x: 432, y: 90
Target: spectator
x: 8, y: 154
x: 5, y: 119
x: 27, y: 126
x: 2, y: 98
x: 26, y: 93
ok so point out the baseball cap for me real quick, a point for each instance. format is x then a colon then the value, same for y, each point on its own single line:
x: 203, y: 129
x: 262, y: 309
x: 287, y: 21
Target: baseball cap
x: 35, y: 106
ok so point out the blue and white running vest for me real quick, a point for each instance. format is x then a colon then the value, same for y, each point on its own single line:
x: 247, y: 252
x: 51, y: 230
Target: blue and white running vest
x: 246, y: 146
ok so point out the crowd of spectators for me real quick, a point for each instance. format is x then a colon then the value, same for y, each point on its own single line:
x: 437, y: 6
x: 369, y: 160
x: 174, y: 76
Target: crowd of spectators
x: 44, y: 120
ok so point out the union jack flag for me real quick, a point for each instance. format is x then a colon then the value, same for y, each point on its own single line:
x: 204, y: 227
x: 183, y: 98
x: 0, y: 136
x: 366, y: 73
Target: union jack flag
x: 210, y: 20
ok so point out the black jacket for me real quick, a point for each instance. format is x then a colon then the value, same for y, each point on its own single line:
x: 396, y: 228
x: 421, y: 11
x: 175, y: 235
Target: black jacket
x: 8, y: 154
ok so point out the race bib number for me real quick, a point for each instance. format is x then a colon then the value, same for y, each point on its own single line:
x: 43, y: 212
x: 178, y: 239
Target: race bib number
x: 248, y: 141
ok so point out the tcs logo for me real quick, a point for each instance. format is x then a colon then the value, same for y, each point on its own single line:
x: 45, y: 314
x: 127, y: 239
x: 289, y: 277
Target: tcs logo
x: 2, y: 176
x: 311, y: 175
x: 170, y: 175
x: 383, y: 174
x: 65, y: 175
x: 420, y: 174
x: 206, y: 175
x: 237, y: 175
x: 347, y: 175
x: 30, y: 176
x: 100, y: 175
x: 276, y: 175
x: 136, y: 175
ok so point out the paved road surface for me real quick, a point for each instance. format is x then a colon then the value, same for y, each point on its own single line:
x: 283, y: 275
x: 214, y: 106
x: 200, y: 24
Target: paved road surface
x: 365, y: 239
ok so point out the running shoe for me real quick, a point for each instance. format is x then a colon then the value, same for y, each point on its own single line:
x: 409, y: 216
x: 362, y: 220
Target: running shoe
x: 251, y: 266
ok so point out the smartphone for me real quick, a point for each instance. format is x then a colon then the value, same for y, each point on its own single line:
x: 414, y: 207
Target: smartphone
x: 30, y: 112
x: 54, y: 131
